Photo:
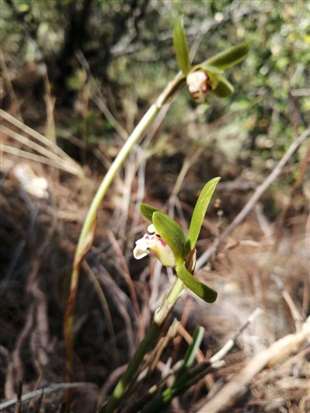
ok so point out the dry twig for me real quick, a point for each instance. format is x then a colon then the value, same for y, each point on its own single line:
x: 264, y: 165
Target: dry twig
x: 37, y: 393
x: 254, y: 198
x: 276, y: 353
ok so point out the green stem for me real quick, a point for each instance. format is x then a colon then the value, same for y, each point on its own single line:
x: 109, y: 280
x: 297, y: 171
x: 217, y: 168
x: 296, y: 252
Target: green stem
x: 149, y: 342
x: 88, y: 229
x: 170, y: 299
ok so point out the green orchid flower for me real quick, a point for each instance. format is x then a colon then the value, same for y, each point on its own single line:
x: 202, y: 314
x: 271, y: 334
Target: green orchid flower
x: 166, y: 240
x: 208, y: 75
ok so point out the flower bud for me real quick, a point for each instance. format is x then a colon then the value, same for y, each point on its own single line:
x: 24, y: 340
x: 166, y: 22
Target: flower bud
x: 197, y: 83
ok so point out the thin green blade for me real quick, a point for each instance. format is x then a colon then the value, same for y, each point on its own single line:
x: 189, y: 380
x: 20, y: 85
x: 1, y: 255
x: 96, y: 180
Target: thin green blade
x: 190, y: 355
x: 171, y: 232
x: 201, y: 290
x: 181, y: 47
x: 200, y: 210
x: 229, y: 57
x: 194, y: 347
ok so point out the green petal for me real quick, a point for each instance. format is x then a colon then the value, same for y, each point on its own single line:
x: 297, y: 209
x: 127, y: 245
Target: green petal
x: 223, y: 88
x: 209, y: 69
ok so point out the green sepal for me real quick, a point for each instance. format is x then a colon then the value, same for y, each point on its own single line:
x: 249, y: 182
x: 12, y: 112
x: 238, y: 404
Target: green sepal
x: 223, y: 87
x: 147, y: 211
x: 201, y: 290
x: 229, y: 57
x: 181, y: 47
x: 208, y: 68
x: 200, y: 210
x: 171, y: 232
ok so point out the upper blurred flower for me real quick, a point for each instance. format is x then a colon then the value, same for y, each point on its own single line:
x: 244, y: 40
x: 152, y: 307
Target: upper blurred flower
x: 151, y: 242
x: 197, y: 83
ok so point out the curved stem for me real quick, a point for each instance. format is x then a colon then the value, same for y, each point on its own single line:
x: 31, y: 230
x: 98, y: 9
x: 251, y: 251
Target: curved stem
x: 88, y: 229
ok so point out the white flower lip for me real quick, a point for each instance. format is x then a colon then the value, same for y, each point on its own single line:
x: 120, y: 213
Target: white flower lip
x: 141, y: 249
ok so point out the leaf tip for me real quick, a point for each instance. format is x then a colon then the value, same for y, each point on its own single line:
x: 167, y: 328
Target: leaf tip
x: 216, y: 180
x: 212, y: 296
x: 147, y: 211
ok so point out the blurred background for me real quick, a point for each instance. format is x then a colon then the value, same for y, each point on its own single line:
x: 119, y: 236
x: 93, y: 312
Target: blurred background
x: 75, y: 78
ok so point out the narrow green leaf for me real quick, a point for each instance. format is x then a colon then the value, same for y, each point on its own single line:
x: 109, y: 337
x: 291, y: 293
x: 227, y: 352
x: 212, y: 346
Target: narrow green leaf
x: 147, y: 211
x: 200, y: 210
x: 189, y: 358
x: 181, y: 47
x: 229, y: 57
x: 223, y: 87
x: 171, y: 233
x: 197, y: 287
x: 194, y: 347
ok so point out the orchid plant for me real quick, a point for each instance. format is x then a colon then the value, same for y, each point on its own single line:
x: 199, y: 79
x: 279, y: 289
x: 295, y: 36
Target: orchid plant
x: 166, y: 240
x: 207, y: 76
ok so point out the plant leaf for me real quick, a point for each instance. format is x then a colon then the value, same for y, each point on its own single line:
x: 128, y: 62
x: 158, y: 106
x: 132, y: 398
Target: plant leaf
x: 147, y: 211
x: 200, y: 210
x: 229, y: 57
x: 189, y: 358
x: 193, y: 348
x: 197, y: 287
x: 181, y: 47
x: 171, y: 232
x: 223, y: 88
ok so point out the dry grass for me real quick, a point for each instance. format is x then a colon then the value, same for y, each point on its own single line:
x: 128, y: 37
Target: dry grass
x: 254, y: 268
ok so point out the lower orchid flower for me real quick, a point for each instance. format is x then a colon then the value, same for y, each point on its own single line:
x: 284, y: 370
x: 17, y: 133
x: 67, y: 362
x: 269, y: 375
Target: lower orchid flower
x: 152, y: 243
x: 166, y: 240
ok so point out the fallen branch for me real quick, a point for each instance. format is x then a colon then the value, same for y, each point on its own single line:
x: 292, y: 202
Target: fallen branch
x: 276, y: 353
x: 254, y: 198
